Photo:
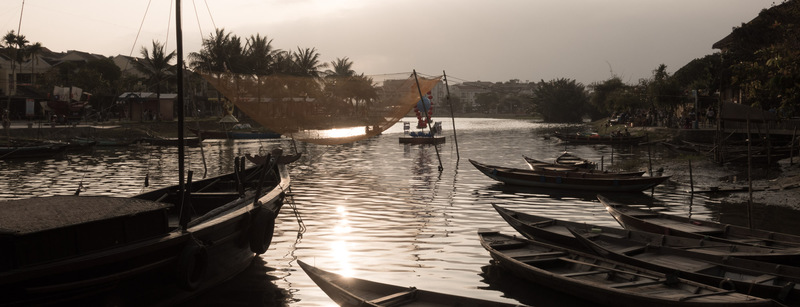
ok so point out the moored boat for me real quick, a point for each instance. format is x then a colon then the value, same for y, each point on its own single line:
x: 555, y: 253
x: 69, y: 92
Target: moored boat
x: 762, y: 279
x: 558, y: 232
x: 568, y: 180
x: 355, y: 292
x: 44, y: 150
x: 659, y: 222
x: 600, y: 139
x: 159, y: 247
x: 601, y: 280
x: 541, y: 166
x: 234, y: 134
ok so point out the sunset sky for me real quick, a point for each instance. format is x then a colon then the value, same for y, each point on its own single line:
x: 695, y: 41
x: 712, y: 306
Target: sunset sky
x: 585, y: 40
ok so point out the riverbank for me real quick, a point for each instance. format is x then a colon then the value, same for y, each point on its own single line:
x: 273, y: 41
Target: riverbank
x: 776, y: 185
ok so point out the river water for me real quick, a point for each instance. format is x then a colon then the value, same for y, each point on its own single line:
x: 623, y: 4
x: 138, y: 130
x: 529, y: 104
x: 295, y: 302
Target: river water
x: 374, y: 209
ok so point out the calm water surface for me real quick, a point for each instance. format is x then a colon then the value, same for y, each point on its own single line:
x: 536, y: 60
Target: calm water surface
x: 374, y: 209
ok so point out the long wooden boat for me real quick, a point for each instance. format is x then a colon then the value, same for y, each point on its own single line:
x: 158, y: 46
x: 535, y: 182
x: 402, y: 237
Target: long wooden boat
x: 156, y: 247
x: 355, y: 292
x: 541, y: 166
x: 163, y: 141
x: 568, y: 180
x: 659, y: 222
x: 46, y: 150
x: 600, y: 139
x: 234, y: 134
x: 558, y: 232
x: 601, y: 280
x: 757, y: 278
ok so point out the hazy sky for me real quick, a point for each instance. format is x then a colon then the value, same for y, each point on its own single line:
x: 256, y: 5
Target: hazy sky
x: 471, y: 40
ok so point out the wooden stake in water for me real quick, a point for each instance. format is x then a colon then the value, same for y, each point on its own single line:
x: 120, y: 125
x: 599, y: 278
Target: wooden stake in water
x: 691, y: 178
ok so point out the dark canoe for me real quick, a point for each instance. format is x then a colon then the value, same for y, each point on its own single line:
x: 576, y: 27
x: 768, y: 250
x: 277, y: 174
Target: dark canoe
x: 601, y: 280
x: 762, y: 279
x: 233, y: 134
x: 98, y: 250
x: 105, y: 142
x: 658, y: 222
x: 568, y: 180
x: 558, y: 232
x: 162, y: 141
x: 32, y: 151
x: 541, y: 166
x: 355, y: 292
x: 417, y: 140
x: 600, y: 139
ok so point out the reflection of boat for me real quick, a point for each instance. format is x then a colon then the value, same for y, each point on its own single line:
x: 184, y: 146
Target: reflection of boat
x: 762, y: 279
x: 349, y: 291
x: 662, y: 223
x: 557, y: 232
x: 568, y: 180
x: 422, y: 140
x: 233, y: 134
x: 600, y: 139
x: 541, y: 166
x: 603, y: 281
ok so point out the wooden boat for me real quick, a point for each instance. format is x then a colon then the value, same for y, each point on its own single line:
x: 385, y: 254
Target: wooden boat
x: 568, y: 159
x: 539, y: 165
x: 355, y: 292
x: 234, y: 134
x: 162, y: 141
x: 44, y: 150
x: 66, y: 249
x: 601, y: 280
x: 557, y: 232
x: 600, y: 139
x: 568, y: 180
x: 657, y: 222
x: 159, y: 247
x: 762, y: 279
x: 105, y: 142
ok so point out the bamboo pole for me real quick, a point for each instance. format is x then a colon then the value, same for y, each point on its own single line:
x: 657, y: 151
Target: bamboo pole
x: 452, y: 117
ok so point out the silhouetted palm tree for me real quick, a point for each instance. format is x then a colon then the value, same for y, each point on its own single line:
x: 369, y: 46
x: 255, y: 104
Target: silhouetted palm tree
x: 306, y: 62
x: 342, y: 67
x: 155, y: 65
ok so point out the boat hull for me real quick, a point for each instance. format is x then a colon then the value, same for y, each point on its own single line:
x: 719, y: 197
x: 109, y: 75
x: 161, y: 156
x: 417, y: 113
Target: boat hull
x: 155, y: 267
x: 568, y: 180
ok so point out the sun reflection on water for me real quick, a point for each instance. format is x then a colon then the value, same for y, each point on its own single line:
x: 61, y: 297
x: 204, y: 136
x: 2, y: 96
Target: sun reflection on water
x: 340, y: 247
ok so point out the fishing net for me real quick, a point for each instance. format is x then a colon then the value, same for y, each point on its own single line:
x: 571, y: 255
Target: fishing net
x: 327, y: 110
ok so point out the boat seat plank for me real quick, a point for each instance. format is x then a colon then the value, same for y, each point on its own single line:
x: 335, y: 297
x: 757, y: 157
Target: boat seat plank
x: 396, y: 299
x: 576, y: 274
x: 636, y: 283
x: 764, y: 278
